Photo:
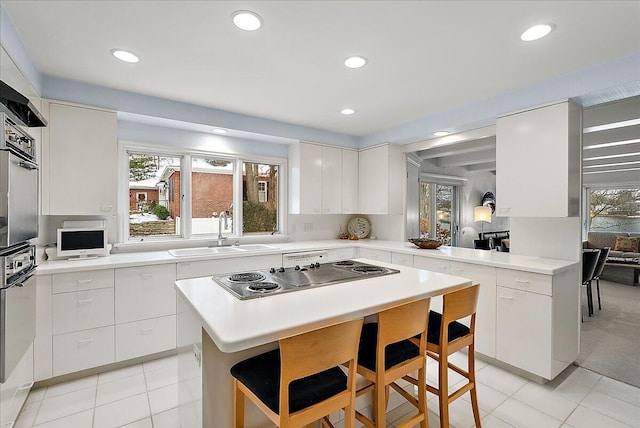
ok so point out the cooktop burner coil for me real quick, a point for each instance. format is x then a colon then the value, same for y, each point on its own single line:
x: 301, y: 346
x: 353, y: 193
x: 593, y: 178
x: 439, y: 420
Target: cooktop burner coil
x: 263, y: 287
x: 345, y: 263
x: 247, y: 277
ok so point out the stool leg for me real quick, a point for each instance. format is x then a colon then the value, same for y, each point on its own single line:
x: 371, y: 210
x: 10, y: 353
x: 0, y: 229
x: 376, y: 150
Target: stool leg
x: 443, y: 386
x: 380, y: 407
x: 598, y: 288
x: 238, y: 406
x: 589, y: 298
x: 422, y: 394
x: 474, y: 391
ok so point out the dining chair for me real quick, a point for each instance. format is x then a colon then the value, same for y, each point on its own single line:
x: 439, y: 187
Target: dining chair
x: 589, y: 261
x: 602, y: 259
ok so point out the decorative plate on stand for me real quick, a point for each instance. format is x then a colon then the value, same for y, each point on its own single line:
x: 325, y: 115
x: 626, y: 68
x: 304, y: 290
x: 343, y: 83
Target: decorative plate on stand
x: 359, y: 226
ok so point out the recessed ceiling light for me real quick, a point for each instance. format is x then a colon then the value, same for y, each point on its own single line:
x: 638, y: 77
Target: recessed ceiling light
x: 347, y: 111
x: 537, y: 32
x: 246, y: 20
x: 441, y: 133
x: 355, y: 62
x: 125, y: 56
x: 219, y: 131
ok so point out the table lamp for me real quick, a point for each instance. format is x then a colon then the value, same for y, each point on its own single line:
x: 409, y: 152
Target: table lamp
x: 482, y: 214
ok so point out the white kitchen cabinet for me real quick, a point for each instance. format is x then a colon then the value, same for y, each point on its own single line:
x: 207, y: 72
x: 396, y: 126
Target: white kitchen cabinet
x: 82, y: 281
x: 82, y: 350
x: 15, y: 389
x: 349, y: 184
x: 381, y: 180
x: 145, y: 337
x: 317, y: 181
x: 486, y: 308
x: 337, y: 254
x: 43, y: 342
x: 375, y: 254
x: 151, y: 284
x: 432, y: 264
x: 331, y: 180
x: 537, y: 320
x: 538, y: 155
x: 402, y: 259
x: 82, y: 310
x: 237, y: 264
x: 79, y: 163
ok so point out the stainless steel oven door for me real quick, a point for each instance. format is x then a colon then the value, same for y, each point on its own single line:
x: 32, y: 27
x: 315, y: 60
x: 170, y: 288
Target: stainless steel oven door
x: 18, y: 199
x: 17, y: 323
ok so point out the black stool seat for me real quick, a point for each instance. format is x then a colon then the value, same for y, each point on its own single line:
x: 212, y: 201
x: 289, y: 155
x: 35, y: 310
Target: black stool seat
x: 456, y: 329
x: 261, y: 374
x: 394, y: 353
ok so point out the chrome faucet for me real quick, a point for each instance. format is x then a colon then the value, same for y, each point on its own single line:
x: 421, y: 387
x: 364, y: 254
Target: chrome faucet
x: 221, y: 239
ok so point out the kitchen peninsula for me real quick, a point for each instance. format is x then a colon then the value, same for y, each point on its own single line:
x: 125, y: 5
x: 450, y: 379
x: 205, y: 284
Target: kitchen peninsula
x: 234, y: 329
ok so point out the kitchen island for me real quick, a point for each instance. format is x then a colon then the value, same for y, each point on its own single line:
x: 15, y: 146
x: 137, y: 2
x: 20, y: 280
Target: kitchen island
x: 233, y: 330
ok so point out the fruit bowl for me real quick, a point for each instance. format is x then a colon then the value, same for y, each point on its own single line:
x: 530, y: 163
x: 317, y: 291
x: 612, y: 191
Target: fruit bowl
x: 426, y: 244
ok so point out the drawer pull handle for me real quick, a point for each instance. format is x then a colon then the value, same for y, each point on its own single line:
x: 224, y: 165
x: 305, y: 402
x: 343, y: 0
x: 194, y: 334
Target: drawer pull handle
x: 85, y: 340
x: 457, y: 270
x: 85, y: 301
x: 506, y: 297
x: 522, y: 281
x: 27, y: 385
x: 146, y: 275
x: 84, y: 281
x: 146, y: 330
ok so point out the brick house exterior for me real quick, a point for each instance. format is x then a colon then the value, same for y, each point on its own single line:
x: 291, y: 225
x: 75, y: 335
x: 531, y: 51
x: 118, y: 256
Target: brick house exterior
x: 139, y: 196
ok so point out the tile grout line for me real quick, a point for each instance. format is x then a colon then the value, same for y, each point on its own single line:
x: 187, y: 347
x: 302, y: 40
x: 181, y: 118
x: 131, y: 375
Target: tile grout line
x: 146, y: 388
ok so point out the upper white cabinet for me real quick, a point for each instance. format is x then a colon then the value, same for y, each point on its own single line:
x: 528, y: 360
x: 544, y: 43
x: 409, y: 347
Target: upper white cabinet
x: 538, y: 155
x: 321, y: 179
x: 349, y: 183
x: 79, y: 163
x: 381, y: 172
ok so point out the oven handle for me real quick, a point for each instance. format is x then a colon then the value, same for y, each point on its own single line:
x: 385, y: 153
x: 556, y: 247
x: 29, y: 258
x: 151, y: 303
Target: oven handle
x: 21, y: 281
x: 28, y: 165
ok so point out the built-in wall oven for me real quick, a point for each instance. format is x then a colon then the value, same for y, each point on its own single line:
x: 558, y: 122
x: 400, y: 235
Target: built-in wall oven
x: 17, y: 305
x: 18, y: 185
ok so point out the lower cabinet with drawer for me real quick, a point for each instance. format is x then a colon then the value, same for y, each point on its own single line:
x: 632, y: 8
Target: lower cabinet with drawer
x: 537, y: 320
x: 146, y: 337
x: 82, y: 350
x: 432, y: 264
x: 237, y: 264
x: 375, y: 254
x: 82, y: 310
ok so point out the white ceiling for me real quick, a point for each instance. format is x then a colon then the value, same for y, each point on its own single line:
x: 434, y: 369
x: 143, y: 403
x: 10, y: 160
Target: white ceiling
x: 424, y: 56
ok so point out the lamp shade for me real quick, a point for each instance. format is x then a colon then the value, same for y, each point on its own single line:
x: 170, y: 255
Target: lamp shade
x: 482, y: 214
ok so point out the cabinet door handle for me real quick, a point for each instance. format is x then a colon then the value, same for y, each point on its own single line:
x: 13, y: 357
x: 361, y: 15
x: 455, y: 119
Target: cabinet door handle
x: 84, y: 281
x: 146, y: 330
x: 506, y: 297
x: 146, y: 275
x: 90, y: 339
x: 457, y: 270
x: 522, y: 281
x: 85, y: 301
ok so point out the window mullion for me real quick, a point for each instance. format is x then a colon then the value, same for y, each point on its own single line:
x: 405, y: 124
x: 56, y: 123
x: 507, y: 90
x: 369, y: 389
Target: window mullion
x: 186, y: 192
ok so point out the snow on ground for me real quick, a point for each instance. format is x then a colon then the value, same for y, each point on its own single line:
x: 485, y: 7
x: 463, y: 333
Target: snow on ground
x: 142, y: 218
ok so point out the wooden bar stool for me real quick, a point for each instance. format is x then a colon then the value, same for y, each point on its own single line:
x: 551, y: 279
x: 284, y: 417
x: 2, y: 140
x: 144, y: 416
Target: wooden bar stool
x: 302, y: 382
x: 446, y: 336
x: 386, y: 354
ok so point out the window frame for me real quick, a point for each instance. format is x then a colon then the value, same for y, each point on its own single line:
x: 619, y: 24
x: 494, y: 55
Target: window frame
x: 455, y: 207
x: 186, y: 156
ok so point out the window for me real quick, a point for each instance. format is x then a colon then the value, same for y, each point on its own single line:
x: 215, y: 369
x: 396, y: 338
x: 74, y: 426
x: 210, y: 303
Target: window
x: 154, y: 210
x: 614, y: 210
x: 259, y: 198
x: 211, y: 195
x: 194, y: 195
x: 438, y: 212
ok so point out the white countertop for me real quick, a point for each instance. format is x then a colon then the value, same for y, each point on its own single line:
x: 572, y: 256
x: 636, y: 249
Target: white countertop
x: 468, y: 255
x: 236, y: 325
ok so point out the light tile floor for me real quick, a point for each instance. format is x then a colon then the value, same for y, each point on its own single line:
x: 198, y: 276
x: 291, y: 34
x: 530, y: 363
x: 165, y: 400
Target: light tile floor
x: 146, y: 396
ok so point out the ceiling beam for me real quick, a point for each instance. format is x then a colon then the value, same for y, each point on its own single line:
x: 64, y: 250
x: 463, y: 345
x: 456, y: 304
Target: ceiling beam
x: 459, y: 148
x: 482, y: 167
x: 616, y: 111
x: 625, y: 150
x: 609, y: 135
x: 474, y: 134
x: 466, y: 159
